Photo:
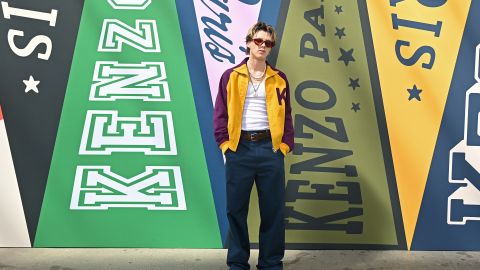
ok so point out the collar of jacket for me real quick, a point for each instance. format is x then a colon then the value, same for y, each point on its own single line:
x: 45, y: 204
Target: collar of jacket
x: 243, y: 69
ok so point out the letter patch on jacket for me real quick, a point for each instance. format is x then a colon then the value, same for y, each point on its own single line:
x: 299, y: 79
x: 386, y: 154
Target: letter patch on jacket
x: 282, y: 95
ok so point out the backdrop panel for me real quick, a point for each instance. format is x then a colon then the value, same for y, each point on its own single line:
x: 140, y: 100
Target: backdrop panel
x: 108, y: 110
x: 128, y: 167
x: 36, y: 51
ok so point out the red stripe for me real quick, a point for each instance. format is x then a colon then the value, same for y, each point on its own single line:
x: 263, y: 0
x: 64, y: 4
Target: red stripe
x: 1, y: 115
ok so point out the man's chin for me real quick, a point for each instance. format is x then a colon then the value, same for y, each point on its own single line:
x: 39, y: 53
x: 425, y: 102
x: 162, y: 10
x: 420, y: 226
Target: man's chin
x: 260, y: 56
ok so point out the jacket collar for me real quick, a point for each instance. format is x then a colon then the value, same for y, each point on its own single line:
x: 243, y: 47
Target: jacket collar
x: 243, y: 69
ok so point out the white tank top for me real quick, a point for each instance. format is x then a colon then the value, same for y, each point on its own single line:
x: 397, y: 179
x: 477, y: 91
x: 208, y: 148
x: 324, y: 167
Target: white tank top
x: 255, y: 109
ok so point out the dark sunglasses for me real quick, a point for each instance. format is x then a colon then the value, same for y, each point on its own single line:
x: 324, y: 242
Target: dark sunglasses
x: 260, y: 41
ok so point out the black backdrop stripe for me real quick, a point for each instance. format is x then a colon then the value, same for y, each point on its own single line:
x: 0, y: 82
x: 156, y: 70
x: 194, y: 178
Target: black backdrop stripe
x: 32, y: 117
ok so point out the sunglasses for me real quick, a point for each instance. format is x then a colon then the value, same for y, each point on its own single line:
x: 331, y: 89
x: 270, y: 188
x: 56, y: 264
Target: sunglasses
x: 260, y: 41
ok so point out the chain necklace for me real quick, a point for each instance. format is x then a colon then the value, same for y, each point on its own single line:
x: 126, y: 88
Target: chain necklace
x: 255, y: 88
x: 257, y: 78
x: 260, y: 79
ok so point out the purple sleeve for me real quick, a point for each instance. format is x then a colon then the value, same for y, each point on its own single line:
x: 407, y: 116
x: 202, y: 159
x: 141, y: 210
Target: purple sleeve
x: 288, y: 132
x: 220, y: 113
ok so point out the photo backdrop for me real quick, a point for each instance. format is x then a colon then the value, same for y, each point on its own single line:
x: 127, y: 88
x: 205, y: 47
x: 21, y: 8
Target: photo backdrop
x: 106, y: 135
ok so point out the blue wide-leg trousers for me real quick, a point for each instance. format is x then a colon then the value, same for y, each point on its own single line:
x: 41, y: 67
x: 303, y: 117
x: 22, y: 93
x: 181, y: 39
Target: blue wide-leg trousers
x: 255, y: 162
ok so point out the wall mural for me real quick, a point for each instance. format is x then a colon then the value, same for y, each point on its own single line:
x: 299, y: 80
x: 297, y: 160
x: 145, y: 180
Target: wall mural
x: 106, y: 132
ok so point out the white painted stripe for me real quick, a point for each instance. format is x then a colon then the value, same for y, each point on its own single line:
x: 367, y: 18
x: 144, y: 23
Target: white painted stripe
x: 13, y: 226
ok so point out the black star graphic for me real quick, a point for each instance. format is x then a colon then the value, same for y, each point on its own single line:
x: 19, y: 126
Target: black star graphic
x: 346, y: 56
x: 354, y: 83
x: 338, y: 9
x: 340, y: 32
x: 414, y: 93
x: 356, y: 106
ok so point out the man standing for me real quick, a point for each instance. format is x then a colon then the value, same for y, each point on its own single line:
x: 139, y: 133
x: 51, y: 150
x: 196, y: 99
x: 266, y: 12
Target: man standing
x: 253, y: 128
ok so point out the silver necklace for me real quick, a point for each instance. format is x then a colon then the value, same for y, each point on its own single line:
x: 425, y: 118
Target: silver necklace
x: 255, y: 88
x: 260, y: 78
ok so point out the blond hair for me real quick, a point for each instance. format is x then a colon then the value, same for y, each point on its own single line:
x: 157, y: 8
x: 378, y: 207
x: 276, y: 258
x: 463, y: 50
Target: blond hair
x: 260, y: 26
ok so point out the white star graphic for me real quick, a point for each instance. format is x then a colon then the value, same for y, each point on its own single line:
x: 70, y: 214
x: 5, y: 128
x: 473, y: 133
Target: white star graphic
x: 31, y: 85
